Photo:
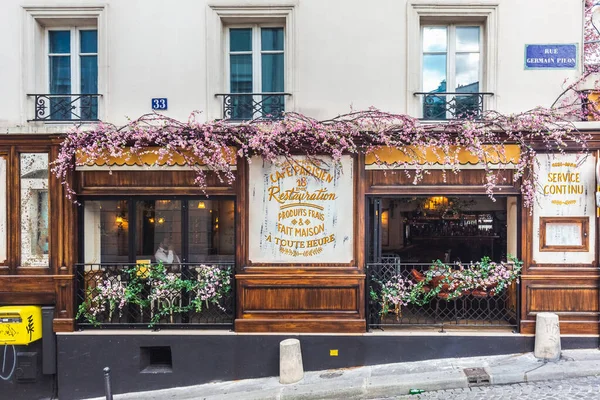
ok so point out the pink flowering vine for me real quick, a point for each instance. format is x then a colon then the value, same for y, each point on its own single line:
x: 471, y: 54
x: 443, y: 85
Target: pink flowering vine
x: 356, y: 133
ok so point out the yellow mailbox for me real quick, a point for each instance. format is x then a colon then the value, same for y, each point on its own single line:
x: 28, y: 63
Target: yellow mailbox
x: 20, y: 324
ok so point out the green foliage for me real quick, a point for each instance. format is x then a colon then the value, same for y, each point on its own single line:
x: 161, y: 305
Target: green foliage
x: 447, y: 282
x: 157, y: 287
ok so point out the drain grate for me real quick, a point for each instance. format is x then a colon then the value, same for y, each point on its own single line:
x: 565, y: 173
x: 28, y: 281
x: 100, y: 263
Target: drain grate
x: 329, y: 375
x: 477, y: 376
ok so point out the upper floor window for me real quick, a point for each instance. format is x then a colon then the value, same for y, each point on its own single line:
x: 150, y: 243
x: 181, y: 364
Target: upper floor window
x: 256, y: 67
x: 73, y: 74
x: 452, y: 71
x: 64, y: 62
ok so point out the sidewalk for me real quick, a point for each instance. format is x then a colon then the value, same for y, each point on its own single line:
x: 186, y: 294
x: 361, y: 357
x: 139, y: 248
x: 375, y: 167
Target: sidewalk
x: 390, y: 379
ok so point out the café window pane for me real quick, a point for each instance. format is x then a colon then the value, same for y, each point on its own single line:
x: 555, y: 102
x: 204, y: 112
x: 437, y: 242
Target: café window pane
x: 34, y: 210
x: 106, y: 231
x: 158, y: 231
x: 211, y: 231
x: 3, y: 222
x: 130, y: 230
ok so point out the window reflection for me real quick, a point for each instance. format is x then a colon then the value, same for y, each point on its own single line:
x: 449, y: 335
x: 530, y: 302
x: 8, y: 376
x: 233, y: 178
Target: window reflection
x: 434, y: 39
x: 467, y: 38
x: 211, y: 231
x: 451, y: 64
x: 467, y: 69
x: 34, y: 210
x: 158, y: 236
x: 106, y: 231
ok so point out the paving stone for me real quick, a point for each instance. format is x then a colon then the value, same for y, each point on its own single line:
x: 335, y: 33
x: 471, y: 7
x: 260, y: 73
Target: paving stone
x: 565, y: 389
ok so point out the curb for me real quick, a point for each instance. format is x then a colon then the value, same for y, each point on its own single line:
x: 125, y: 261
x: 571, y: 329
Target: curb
x: 385, y: 386
x: 392, y: 380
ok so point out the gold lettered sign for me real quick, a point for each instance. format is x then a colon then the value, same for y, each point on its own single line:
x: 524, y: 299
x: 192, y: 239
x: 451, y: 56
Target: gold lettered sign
x: 301, y: 210
x: 564, y: 214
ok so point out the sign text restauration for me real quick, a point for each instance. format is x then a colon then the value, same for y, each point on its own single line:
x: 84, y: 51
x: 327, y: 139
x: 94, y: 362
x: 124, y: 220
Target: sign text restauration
x: 301, y: 201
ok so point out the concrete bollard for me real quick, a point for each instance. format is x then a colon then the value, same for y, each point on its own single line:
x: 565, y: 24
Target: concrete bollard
x: 290, y: 361
x: 547, y: 337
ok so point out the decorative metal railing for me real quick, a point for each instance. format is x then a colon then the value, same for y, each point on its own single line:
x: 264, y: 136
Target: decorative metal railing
x: 249, y: 106
x: 134, y: 296
x: 65, y: 107
x: 475, y: 309
x: 452, y: 105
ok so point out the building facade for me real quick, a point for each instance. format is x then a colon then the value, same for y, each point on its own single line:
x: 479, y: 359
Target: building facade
x: 302, y: 244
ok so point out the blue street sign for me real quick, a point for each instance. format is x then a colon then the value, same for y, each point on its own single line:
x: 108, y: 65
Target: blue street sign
x: 550, y: 56
x: 159, y: 103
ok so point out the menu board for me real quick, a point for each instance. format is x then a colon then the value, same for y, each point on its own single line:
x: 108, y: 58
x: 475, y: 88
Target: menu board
x: 301, y: 210
x: 563, y: 234
x: 564, y: 211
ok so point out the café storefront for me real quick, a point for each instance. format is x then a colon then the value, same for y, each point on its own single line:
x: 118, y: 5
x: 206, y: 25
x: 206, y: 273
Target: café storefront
x: 299, y: 246
x: 308, y: 243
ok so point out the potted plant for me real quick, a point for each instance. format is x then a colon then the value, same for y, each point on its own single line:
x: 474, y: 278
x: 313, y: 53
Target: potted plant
x: 105, y: 298
x: 396, y: 293
x: 212, y: 285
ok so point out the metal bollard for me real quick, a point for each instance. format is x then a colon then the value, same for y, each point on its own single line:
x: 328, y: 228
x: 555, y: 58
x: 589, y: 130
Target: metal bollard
x: 107, y: 388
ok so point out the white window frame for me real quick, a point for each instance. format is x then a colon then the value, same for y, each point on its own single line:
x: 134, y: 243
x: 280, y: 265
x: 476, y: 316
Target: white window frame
x: 75, y: 58
x: 37, y: 20
x: 238, y: 13
x: 256, y: 53
x: 451, y: 56
x: 464, y: 12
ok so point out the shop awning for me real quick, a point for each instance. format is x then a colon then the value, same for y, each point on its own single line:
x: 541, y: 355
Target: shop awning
x: 151, y: 158
x: 506, y: 156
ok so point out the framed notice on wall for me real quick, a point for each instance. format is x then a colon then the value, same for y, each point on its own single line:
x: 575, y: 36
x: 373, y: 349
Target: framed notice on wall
x: 301, y: 210
x: 564, y: 234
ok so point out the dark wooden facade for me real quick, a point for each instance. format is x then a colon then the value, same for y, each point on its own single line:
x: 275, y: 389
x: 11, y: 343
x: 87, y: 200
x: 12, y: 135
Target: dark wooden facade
x: 571, y: 291
x: 34, y: 285
x: 275, y: 298
x: 300, y: 298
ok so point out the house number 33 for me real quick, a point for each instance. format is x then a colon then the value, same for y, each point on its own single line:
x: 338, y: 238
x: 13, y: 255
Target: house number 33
x: 159, y: 104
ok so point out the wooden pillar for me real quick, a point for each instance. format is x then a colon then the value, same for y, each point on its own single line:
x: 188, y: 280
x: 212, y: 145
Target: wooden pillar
x: 301, y: 297
x: 63, y: 242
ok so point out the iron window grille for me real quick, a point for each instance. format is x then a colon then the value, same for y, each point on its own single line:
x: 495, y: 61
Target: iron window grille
x: 492, y: 311
x: 65, y: 107
x: 452, y: 105
x: 250, y: 106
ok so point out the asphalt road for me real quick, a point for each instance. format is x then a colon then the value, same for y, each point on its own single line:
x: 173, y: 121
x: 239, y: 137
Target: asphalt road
x: 567, y: 389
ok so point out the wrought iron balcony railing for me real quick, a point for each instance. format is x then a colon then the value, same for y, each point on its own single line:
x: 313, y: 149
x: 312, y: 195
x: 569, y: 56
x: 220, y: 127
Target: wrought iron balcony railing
x: 248, y: 106
x: 154, y: 300
x: 452, y: 105
x: 476, y: 308
x: 65, y: 107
